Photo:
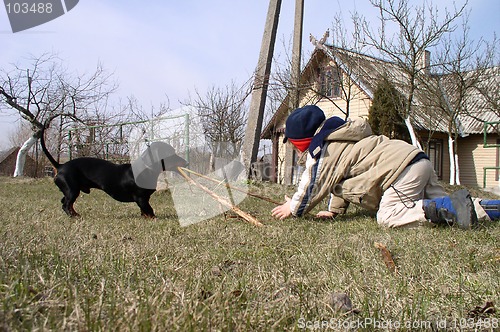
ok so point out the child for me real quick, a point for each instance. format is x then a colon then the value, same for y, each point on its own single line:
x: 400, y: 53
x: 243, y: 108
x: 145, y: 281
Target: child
x: 387, y: 176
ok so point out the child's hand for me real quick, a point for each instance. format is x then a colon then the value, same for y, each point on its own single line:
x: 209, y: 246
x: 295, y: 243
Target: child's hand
x: 326, y: 215
x: 282, y: 211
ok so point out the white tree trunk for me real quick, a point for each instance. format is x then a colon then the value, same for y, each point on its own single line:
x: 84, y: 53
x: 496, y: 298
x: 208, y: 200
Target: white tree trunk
x: 413, y: 137
x: 457, y: 171
x: 21, y: 156
x: 453, y: 168
x: 212, y: 162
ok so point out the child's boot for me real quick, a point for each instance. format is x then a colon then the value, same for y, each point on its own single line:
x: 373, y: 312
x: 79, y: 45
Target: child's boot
x: 454, y: 209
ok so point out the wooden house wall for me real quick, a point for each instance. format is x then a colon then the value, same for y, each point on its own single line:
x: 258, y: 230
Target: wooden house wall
x: 473, y: 157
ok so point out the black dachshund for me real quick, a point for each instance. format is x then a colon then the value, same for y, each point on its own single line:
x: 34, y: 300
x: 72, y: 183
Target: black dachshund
x: 134, y: 182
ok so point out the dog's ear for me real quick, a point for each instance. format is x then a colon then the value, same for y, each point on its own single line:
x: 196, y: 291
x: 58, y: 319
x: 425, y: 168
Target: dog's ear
x: 159, y: 156
x: 157, y: 151
x: 154, y: 153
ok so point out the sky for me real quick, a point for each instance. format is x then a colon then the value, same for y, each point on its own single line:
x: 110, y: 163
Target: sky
x: 161, y: 51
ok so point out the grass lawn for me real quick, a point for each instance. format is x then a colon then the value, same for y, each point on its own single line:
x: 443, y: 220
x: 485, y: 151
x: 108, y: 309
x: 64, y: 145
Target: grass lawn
x: 113, y: 270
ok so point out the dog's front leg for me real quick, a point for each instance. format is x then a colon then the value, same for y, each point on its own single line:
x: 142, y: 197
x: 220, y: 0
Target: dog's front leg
x: 68, y: 207
x: 148, y: 214
x: 146, y: 209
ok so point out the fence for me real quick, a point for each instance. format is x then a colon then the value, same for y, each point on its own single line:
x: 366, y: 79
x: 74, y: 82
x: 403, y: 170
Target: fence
x: 116, y: 142
x: 122, y: 142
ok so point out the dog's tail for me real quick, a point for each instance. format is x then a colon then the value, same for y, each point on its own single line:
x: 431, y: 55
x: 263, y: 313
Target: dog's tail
x: 44, y: 149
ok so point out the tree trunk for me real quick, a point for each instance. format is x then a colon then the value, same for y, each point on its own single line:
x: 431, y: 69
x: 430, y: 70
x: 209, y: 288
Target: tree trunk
x: 413, y: 136
x: 453, y: 159
x: 457, y: 171
x: 21, y: 156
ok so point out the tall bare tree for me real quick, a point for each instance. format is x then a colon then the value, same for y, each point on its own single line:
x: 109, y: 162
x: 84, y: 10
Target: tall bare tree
x: 404, y: 34
x: 468, y: 70
x: 44, y: 90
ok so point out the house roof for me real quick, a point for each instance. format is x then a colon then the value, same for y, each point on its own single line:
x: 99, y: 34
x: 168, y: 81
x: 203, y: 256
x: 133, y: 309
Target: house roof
x: 365, y: 71
x: 478, y: 109
x: 366, y: 67
x: 6, y: 153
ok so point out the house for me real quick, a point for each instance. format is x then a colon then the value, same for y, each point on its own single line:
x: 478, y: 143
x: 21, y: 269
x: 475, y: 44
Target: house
x: 8, y: 163
x: 343, y: 83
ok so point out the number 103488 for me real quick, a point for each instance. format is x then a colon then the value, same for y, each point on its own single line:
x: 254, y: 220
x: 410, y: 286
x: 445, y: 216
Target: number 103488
x: 29, y: 8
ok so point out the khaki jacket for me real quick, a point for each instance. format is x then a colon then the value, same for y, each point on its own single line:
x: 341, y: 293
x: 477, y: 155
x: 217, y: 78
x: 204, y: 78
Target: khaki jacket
x: 354, y: 166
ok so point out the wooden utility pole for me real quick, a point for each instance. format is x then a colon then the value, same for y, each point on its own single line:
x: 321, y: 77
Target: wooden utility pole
x: 296, y: 53
x: 251, y: 141
x: 295, y: 79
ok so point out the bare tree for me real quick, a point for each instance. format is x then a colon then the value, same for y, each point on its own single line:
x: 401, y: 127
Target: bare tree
x: 419, y: 28
x: 106, y: 134
x: 280, y: 81
x: 488, y: 65
x: 223, y: 115
x: 19, y: 135
x: 46, y: 90
x: 467, y: 70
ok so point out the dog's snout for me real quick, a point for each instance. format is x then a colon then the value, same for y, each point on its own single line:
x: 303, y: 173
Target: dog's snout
x: 173, y: 162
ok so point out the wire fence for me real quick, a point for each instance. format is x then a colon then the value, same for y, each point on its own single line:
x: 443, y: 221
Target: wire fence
x: 123, y: 142
x: 117, y: 142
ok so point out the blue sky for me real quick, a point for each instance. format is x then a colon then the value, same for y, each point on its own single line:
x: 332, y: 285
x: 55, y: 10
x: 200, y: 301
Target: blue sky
x: 169, y: 48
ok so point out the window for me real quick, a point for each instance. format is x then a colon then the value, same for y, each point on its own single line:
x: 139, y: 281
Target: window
x: 434, y: 150
x: 330, y: 83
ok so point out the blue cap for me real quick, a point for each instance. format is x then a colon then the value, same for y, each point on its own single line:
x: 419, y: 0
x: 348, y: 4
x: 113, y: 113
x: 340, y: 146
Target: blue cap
x: 303, y: 122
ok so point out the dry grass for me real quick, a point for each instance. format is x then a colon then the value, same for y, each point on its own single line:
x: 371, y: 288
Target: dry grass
x: 112, y: 270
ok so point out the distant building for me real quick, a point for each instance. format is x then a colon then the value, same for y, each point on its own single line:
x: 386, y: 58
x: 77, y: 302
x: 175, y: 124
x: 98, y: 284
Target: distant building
x: 323, y: 83
x: 8, y: 163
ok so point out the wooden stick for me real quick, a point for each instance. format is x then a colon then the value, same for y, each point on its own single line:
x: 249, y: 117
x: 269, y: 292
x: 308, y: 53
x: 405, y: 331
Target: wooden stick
x: 222, y: 200
x: 235, y: 188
